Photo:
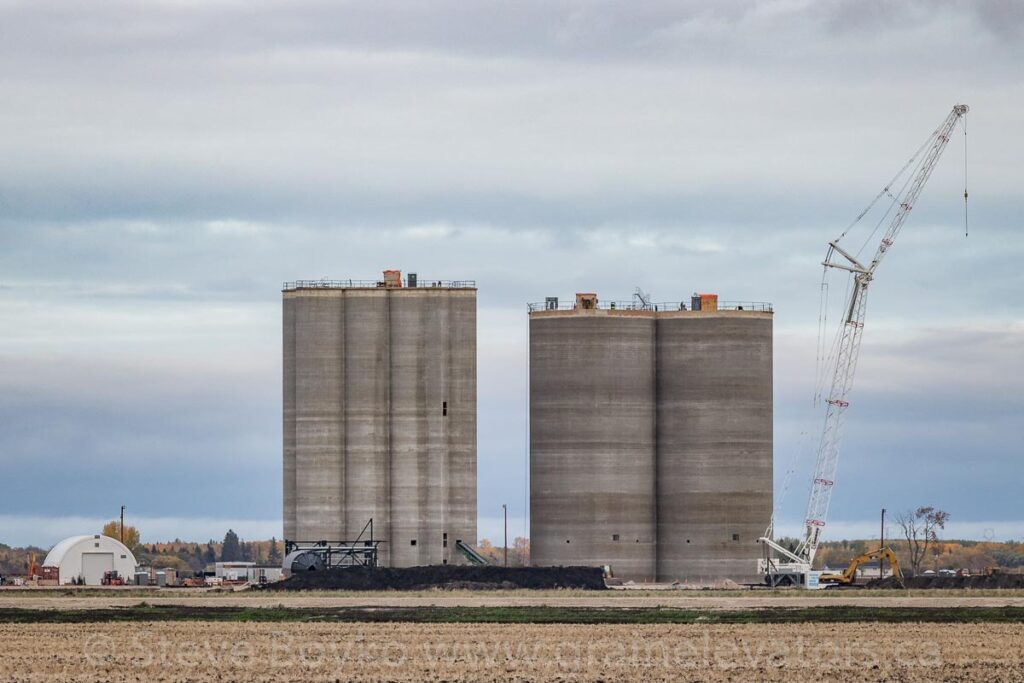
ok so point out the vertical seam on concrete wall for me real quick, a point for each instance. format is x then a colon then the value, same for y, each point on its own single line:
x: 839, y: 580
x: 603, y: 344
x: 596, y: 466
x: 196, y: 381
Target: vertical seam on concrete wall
x: 446, y: 373
x: 344, y: 393
x: 387, y: 475
x: 656, y: 441
x: 425, y: 460
x: 342, y: 418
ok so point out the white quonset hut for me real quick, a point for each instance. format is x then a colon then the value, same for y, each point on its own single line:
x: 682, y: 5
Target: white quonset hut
x: 90, y: 557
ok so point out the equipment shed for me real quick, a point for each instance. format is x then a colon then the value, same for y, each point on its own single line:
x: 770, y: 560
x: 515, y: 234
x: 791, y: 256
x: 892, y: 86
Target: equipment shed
x: 90, y: 557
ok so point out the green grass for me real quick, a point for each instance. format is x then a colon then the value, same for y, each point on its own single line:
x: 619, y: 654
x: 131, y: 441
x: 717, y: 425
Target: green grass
x: 520, y: 615
x: 11, y: 596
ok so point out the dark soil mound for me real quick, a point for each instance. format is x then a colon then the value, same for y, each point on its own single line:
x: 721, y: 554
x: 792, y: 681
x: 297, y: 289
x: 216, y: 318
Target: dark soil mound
x: 449, y: 577
x: 936, y: 581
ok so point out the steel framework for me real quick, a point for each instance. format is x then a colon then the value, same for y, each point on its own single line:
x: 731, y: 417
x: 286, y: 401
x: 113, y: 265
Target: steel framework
x: 847, y: 350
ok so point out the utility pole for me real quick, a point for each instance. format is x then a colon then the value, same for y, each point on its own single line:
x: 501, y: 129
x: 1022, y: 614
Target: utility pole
x: 122, y: 525
x: 504, y: 509
x: 881, y: 544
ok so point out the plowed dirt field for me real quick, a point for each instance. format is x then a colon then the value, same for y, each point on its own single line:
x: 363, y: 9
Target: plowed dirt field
x: 304, y: 652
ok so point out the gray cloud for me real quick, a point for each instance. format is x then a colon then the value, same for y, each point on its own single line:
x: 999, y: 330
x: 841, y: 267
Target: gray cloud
x: 168, y: 165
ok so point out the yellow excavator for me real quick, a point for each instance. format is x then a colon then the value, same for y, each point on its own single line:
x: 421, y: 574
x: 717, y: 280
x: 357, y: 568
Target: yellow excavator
x: 849, y: 575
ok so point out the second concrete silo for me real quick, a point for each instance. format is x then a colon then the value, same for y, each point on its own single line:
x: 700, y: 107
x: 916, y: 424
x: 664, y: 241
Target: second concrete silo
x: 651, y: 436
x: 592, y: 430
x: 714, y: 442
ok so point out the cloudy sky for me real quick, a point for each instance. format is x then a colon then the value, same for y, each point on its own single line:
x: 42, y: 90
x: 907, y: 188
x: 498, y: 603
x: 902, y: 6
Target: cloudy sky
x: 166, y: 165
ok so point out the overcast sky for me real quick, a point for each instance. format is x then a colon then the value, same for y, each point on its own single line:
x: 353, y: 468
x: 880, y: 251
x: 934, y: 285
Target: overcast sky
x: 166, y: 165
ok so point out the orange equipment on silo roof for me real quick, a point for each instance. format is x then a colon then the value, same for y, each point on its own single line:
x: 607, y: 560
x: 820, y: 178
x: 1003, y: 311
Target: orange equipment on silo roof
x: 392, y: 278
x: 586, y: 300
x: 709, y: 302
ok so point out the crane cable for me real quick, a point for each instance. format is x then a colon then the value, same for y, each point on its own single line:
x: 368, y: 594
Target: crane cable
x: 823, y: 354
x: 822, y: 323
x: 885, y: 190
x: 965, y: 174
x: 896, y: 200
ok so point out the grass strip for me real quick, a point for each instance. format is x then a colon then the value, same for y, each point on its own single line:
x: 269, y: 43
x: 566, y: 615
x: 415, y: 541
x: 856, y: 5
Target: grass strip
x: 519, y: 615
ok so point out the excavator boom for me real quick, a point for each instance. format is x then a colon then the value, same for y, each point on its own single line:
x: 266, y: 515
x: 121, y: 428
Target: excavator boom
x: 849, y: 575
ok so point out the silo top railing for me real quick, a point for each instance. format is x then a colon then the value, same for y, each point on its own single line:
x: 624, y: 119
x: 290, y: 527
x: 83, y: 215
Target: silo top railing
x: 760, y: 306
x: 421, y: 283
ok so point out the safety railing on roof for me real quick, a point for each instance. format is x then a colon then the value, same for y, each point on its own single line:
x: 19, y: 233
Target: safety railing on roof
x: 418, y: 283
x: 761, y: 306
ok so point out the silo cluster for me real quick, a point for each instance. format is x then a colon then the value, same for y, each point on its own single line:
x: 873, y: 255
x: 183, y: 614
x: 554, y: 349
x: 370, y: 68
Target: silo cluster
x: 380, y: 415
x: 650, y: 436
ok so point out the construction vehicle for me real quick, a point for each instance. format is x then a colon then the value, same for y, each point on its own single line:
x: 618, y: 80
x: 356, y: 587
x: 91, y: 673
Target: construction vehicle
x: 795, y: 567
x: 111, y: 578
x: 849, y: 575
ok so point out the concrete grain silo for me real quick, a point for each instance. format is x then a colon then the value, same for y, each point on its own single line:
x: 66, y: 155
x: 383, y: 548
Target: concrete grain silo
x: 651, y: 436
x: 380, y: 415
x: 592, y: 439
x: 714, y: 442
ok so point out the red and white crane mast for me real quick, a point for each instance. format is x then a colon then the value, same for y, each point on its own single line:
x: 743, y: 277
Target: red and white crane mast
x: 847, y: 350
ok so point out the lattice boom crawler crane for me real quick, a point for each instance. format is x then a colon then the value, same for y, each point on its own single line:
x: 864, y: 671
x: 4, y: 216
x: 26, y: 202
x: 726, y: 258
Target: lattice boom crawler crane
x: 794, y: 567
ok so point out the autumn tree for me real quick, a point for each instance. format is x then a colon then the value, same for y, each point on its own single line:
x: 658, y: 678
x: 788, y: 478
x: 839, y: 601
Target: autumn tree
x: 920, y: 528
x: 521, y: 551
x: 486, y: 549
x: 113, y: 530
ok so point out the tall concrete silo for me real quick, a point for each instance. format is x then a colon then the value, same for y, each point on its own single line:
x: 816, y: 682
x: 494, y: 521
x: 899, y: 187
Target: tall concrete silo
x: 714, y: 442
x: 651, y: 436
x: 592, y: 439
x: 380, y: 415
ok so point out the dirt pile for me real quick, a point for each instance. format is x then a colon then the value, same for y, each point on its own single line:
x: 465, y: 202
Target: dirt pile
x: 447, y: 577
x: 935, y: 581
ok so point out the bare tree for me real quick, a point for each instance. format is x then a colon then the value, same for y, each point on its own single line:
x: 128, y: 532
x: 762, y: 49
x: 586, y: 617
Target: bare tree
x: 920, y: 528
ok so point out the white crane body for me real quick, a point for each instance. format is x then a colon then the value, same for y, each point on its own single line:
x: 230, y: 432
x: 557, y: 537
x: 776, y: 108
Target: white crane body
x: 795, y: 568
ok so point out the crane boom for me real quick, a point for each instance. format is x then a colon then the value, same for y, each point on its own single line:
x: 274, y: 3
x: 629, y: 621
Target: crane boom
x: 849, y: 339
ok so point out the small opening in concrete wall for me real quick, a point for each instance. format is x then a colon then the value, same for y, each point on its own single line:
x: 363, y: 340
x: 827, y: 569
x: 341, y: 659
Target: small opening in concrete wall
x: 412, y: 542
x: 445, y: 561
x: 687, y: 540
x: 567, y: 540
x: 444, y: 543
x: 444, y: 408
x: 735, y: 537
x: 615, y: 537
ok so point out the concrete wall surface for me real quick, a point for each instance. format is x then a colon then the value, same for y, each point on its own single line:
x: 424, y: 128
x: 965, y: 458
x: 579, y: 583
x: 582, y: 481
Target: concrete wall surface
x: 714, y: 444
x: 651, y: 441
x: 592, y: 449
x: 380, y: 418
